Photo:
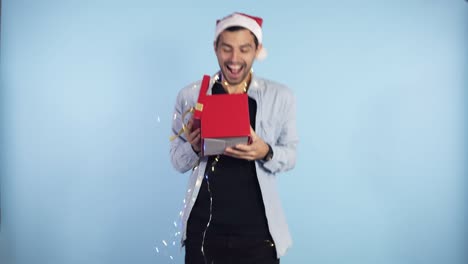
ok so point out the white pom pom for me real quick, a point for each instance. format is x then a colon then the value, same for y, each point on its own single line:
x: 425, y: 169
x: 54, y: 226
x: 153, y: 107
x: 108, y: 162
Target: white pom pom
x: 262, y: 54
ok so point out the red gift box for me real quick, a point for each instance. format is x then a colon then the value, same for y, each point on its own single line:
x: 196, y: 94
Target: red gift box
x: 225, y: 122
x: 223, y: 119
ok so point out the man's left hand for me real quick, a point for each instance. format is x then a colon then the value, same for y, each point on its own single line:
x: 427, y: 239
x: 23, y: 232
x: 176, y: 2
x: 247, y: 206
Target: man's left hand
x: 255, y: 151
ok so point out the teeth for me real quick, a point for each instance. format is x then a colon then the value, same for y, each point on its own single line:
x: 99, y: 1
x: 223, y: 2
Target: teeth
x: 234, y: 68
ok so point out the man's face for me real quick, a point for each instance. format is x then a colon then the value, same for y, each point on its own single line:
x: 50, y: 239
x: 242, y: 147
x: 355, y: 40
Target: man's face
x: 236, y: 52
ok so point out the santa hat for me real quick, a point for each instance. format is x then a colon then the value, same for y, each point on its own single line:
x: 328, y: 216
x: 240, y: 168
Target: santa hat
x: 252, y: 23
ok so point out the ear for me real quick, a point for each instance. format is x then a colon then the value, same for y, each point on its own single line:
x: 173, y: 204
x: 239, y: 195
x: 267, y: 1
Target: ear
x: 214, y: 46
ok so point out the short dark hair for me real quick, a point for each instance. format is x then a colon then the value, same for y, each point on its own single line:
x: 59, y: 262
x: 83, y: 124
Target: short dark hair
x: 237, y: 28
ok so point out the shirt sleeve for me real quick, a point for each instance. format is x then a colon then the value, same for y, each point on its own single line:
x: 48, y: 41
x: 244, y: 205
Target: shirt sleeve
x: 183, y: 157
x: 285, y: 145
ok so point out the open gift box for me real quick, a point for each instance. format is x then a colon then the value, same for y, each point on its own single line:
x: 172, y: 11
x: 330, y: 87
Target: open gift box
x: 224, y: 120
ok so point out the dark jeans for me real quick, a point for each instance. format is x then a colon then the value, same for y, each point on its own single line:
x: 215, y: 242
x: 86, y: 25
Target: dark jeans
x: 230, y: 250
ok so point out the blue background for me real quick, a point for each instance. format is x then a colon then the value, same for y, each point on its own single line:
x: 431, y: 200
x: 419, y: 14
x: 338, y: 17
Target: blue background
x: 87, y: 94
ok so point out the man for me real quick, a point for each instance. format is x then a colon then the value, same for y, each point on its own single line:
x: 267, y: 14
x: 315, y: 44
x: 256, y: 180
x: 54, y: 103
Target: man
x: 232, y: 210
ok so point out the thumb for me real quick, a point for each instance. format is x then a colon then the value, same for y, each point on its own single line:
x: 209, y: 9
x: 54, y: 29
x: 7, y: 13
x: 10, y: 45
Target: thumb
x: 253, y: 134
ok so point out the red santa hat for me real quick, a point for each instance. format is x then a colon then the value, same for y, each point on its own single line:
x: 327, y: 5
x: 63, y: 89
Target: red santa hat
x: 252, y: 23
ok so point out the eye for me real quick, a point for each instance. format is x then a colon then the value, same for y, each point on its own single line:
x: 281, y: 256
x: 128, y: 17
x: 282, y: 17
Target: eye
x: 245, y: 50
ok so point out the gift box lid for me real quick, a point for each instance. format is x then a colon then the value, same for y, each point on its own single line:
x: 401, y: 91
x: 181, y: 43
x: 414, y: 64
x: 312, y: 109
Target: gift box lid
x: 225, y: 115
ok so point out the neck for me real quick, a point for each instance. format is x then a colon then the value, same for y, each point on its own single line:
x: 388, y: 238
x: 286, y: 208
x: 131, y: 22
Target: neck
x: 237, y: 88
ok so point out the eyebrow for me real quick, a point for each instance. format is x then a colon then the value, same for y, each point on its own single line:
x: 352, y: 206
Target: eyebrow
x: 247, y: 45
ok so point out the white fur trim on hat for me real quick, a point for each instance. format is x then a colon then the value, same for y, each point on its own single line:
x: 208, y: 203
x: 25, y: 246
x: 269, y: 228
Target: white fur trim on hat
x: 262, y: 54
x: 241, y: 20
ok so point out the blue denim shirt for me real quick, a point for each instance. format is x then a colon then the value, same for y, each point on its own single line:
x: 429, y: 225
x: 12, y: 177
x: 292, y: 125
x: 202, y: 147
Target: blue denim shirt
x: 275, y: 124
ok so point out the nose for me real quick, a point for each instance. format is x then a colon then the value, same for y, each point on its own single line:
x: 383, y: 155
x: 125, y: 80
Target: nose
x: 235, y: 55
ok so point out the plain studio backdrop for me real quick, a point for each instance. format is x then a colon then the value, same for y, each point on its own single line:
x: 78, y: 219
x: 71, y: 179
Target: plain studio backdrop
x: 86, y: 104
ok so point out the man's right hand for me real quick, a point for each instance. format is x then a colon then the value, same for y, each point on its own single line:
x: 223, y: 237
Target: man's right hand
x: 193, y: 136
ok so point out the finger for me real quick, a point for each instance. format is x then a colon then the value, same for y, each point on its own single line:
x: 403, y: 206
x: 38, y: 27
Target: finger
x: 243, y: 147
x: 195, y: 142
x: 232, y: 152
x: 252, y: 133
x: 190, y: 135
x: 196, y: 139
x: 195, y: 132
x: 238, y: 153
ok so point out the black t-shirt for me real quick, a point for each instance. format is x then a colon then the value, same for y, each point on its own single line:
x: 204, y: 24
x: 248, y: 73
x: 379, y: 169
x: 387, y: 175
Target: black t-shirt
x: 237, y: 204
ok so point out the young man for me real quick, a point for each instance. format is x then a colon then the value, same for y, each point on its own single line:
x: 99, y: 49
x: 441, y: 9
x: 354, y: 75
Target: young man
x: 233, y: 212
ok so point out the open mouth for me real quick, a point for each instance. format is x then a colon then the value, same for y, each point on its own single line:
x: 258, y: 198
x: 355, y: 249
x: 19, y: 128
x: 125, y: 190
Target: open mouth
x: 235, y: 69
